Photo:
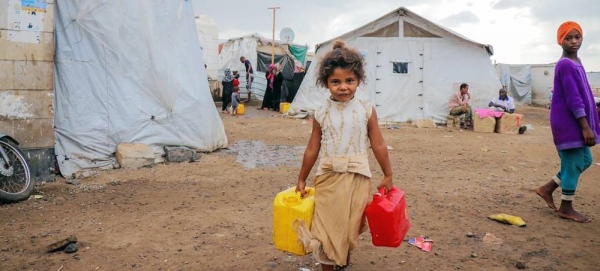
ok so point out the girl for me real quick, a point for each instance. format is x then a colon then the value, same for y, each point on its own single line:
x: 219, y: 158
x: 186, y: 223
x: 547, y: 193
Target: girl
x: 235, y: 100
x: 341, y: 133
x: 227, y: 89
x: 574, y: 123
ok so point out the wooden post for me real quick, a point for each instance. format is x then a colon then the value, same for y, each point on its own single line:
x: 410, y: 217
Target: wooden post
x: 273, y: 38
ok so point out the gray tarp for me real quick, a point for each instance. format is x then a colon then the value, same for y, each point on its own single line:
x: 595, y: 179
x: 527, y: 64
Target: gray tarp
x: 129, y: 71
x: 517, y: 78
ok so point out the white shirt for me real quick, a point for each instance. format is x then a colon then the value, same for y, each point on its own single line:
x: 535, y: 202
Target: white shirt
x: 509, y: 103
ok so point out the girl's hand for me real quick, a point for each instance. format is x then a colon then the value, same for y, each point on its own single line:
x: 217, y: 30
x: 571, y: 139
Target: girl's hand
x: 589, y: 137
x: 301, y: 188
x: 386, y: 183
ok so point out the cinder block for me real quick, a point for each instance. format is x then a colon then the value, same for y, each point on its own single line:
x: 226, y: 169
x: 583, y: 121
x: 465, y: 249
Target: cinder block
x: 134, y: 155
x: 425, y: 123
x: 33, y: 75
x: 483, y: 125
x: 43, y: 51
x: 509, y: 123
x: 34, y: 133
x: 26, y: 104
x: 7, y: 126
x: 7, y: 75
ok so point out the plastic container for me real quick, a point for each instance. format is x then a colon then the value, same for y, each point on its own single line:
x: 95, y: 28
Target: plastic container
x: 387, y: 217
x: 240, y: 109
x: 287, y: 207
x: 283, y: 107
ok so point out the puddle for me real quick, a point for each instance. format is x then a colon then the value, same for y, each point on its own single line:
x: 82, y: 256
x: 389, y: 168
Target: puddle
x: 254, y: 154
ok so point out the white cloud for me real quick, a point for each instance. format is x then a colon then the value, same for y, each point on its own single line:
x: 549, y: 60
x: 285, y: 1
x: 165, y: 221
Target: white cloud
x: 521, y: 31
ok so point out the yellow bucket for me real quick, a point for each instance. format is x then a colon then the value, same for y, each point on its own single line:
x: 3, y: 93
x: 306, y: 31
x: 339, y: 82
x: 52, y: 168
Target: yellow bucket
x: 287, y: 207
x: 240, y: 109
x: 283, y: 107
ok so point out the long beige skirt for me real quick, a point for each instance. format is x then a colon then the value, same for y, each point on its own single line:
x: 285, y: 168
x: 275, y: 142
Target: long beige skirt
x: 340, y: 202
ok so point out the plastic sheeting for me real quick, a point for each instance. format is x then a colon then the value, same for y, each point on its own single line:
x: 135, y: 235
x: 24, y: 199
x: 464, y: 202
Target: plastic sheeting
x: 299, y: 52
x: 252, y: 47
x: 517, y: 78
x: 436, y: 68
x: 129, y: 71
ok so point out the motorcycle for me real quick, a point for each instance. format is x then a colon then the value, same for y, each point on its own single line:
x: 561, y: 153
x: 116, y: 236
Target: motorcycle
x: 15, y: 177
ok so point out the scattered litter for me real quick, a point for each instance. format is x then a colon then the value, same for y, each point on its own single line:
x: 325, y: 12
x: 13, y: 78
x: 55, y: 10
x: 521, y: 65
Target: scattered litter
x: 447, y: 136
x: 71, y: 248
x: 480, y: 137
x: 470, y: 234
x: 490, y: 238
x: 597, y: 164
x: 389, y: 148
x: 503, y: 151
x: 304, y: 122
x: 61, y: 244
x: 508, y: 219
x: 304, y: 269
x: 424, y: 243
x: 393, y: 127
x: 38, y: 196
x: 485, y: 149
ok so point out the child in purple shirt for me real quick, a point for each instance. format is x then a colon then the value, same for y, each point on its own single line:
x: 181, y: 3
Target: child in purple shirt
x: 574, y: 122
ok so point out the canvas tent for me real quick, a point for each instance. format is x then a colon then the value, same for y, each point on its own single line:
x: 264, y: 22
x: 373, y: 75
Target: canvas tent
x: 129, y: 71
x: 412, y: 68
x: 528, y: 83
x: 257, y: 49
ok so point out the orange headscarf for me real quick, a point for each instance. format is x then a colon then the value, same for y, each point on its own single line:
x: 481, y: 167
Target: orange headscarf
x: 565, y: 28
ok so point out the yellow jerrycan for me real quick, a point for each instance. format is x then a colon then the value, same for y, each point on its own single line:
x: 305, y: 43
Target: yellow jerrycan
x: 287, y: 207
x: 283, y: 107
x: 240, y: 109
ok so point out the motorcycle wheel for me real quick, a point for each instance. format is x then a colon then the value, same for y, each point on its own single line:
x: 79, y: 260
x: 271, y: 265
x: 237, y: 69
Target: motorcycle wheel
x: 18, y: 186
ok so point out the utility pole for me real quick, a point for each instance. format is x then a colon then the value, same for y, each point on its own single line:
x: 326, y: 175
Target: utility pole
x: 273, y: 41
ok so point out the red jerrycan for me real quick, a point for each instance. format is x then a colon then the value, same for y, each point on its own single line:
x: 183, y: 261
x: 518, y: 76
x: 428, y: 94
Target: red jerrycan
x: 387, y: 217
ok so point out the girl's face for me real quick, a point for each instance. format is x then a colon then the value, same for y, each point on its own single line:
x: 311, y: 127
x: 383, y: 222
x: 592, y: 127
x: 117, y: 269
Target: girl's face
x: 342, y: 84
x: 572, y: 41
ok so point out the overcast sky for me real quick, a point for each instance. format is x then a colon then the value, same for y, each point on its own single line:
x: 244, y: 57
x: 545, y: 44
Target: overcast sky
x: 521, y: 31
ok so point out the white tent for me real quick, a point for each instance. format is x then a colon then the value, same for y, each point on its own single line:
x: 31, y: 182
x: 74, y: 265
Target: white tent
x: 208, y: 33
x: 413, y: 66
x: 129, y: 71
x: 253, y: 47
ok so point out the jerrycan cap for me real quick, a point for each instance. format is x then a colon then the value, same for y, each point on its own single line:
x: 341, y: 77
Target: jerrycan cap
x: 294, y: 200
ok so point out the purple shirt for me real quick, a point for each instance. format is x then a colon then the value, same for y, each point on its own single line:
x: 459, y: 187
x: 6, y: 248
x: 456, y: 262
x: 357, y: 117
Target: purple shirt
x: 572, y: 99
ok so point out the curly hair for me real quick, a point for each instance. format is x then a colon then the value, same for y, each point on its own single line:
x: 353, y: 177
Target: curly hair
x: 341, y: 57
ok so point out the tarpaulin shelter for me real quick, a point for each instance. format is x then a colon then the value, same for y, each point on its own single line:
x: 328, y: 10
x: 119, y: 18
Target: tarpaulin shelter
x: 257, y: 49
x: 129, y: 71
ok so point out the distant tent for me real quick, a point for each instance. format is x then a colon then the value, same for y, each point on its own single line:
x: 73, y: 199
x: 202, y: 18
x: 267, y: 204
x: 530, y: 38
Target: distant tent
x: 257, y: 49
x: 413, y: 66
x: 129, y: 71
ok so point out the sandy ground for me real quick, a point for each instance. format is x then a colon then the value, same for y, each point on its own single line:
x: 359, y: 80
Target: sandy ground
x: 216, y: 213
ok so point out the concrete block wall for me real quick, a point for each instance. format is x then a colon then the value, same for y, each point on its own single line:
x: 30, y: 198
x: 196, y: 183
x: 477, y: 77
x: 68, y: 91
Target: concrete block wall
x: 26, y: 78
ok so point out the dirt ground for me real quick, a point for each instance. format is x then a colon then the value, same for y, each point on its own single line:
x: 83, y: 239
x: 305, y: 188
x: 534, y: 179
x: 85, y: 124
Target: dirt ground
x: 216, y: 213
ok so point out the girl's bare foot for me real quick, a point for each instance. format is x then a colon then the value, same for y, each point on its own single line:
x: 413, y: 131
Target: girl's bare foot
x: 566, y: 211
x: 546, y: 195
